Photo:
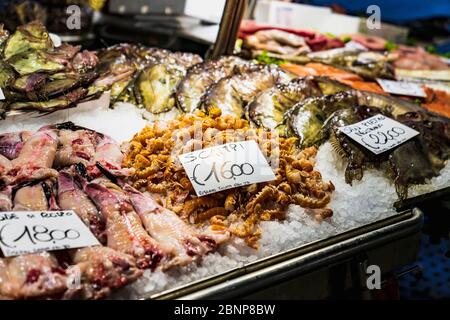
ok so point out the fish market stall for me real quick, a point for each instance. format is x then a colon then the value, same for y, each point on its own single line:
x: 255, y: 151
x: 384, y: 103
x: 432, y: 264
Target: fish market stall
x: 110, y: 136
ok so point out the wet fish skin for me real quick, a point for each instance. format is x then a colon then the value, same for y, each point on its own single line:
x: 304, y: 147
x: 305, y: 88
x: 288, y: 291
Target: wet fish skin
x: 65, y: 101
x: 101, y: 270
x: 369, y: 65
x: 34, y: 61
x: 4, y: 35
x: 124, y: 229
x: 180, y: 243
x: 201, y: 76
x: 268, y: 108
x: 71, y: 197
x: 33, y: 35
x: 233, y: 93
x: 156, y: 86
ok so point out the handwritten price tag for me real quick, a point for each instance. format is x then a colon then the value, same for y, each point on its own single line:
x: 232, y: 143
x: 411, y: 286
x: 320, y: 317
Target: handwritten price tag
x: 24, y: 232
x: 2, y: 96
x: 226, y: 166
x: 355, y: 45
x: 379, y: 133
x: 402, y: 88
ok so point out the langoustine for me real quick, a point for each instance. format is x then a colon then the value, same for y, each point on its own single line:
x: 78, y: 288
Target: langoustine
x: 237, y: 210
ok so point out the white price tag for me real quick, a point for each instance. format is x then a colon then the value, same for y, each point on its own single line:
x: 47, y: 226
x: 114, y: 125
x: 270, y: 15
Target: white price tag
x: 23, y: 232
x: 226, y: 166
x: 331, y: 52
x: 55, y: 39
x: 2, y: 96
x: 355, y: 45
x: 379, y: 133
x: 402, y: 87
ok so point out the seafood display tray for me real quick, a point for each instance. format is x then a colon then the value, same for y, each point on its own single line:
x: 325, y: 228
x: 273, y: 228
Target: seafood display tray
x: 318, y: 269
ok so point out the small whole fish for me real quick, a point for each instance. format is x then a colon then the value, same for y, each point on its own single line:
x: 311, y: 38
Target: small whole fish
x: 368, y: 64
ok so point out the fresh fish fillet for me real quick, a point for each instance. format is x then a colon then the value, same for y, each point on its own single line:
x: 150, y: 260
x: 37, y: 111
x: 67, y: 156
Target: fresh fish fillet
x: 71, y: 197
x: 100, y: 270
x: 124, y: 229
x: 175, y: 237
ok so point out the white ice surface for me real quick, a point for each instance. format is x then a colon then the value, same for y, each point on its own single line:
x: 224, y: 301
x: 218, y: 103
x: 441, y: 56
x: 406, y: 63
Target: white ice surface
x: 120, y: 123
x: 364, y: 202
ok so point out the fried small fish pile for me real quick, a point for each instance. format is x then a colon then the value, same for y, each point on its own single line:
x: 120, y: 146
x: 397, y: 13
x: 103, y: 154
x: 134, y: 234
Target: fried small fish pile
x: 153, y: 154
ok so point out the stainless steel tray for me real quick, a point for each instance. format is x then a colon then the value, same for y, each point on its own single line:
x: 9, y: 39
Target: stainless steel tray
x: 318, y: 269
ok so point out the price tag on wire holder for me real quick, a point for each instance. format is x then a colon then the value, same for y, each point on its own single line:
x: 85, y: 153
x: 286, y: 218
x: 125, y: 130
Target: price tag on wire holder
x: 23, y: 232
x: 379, y: 133
x: 404, y: 88
x: 226, y: 166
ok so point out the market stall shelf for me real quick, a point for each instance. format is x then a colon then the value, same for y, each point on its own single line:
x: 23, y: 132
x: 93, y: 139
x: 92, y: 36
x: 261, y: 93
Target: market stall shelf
x: 114, y: 161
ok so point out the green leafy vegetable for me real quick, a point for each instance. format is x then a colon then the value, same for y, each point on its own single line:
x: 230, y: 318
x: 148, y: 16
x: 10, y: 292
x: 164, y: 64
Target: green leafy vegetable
x: 431, y: 49
x: 266, y: 59
x: 346, y: 39
x: 389, y: 46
